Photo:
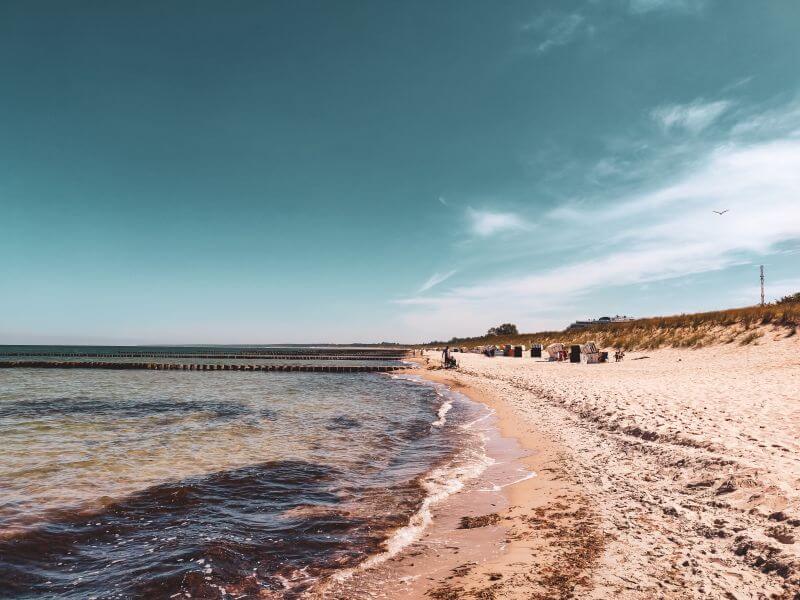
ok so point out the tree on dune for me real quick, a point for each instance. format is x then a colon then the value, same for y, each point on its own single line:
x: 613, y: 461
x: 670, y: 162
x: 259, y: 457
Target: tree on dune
x: 504, y: 329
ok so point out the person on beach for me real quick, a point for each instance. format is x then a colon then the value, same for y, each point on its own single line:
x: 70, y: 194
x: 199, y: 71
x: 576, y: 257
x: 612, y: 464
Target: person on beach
x: 445, y: 355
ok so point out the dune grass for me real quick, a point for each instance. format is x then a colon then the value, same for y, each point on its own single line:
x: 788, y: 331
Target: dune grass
x: 737, y: 325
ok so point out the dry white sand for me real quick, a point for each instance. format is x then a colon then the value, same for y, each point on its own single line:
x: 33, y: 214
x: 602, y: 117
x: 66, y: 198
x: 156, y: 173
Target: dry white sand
x: 673, y: 476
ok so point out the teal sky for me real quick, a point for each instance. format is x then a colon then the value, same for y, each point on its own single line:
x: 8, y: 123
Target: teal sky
x: 256, y: 172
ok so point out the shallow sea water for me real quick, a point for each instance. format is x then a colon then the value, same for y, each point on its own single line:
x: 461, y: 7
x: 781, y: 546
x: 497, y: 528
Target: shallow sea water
x: 142, y: 484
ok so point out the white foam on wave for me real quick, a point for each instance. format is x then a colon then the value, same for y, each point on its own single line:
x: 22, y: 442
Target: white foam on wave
x: 471, y: 424
x: 298, y: 579
x: 439, y: 484
x: 442, y: 391
x: 442, y: 413
x: 497, y: 488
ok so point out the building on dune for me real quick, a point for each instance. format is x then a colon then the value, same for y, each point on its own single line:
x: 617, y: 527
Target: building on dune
x: 600, y: 321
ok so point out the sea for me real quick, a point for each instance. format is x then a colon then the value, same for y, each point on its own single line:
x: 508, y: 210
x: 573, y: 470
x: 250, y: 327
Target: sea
x: 218, y: 484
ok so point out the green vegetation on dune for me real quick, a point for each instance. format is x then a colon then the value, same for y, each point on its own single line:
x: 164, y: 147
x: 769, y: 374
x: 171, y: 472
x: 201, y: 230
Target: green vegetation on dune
x: 737, y: 325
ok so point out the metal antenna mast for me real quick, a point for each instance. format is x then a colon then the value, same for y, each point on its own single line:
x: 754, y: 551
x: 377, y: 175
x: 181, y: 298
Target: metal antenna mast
x: 762, y: 285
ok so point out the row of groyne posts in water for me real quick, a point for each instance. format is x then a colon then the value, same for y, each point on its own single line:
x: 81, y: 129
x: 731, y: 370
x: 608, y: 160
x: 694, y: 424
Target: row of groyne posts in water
x: 42, y: 364
x: 237, y: 356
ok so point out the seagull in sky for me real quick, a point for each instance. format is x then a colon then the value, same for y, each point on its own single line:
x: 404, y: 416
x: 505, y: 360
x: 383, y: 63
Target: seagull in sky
x: 720, y: 212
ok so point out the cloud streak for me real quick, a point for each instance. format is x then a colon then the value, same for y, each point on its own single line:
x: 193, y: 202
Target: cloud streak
x: 665, y: 233
x: 435, y: 280
x: 485, y: 223
x: 693, y: 117
x: 551, y: 30
x: 676, y: 6
x: 680, y: 235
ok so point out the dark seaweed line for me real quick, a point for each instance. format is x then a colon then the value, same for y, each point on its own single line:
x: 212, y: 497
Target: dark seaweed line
x: 196, y: 506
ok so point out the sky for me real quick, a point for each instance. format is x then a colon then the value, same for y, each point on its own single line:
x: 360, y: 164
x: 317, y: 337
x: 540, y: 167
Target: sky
x: 266, y: 172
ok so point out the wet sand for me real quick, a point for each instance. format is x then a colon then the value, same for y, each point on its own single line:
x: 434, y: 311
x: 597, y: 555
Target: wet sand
x: 673, y: 474
x: 547, y: 532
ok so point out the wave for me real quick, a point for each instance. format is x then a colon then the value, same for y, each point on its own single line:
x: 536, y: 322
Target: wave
x: 497, y: 488
x: 471, y: 424
x: 342, y: 422
x: 442, y: 413
x: 442, y: 391
x: 195, y: 535
x: 439, y: 484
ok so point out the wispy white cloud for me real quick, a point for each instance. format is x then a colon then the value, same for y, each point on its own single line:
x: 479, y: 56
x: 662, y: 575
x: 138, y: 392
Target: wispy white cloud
x: 485, y: 223
x: 680, y: 6
x: 442, y: 201
x: 738, y: 83
x: 693, y: 117
x: 435, y: 280
x: 664, y: 233
x: 760, y: 184
x: 781, y: 120
x: 550, y: 30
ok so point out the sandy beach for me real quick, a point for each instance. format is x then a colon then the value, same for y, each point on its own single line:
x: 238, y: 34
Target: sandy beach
x: 672, y: 474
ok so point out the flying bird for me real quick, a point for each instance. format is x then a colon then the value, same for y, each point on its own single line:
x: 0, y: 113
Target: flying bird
x: 720, y: 212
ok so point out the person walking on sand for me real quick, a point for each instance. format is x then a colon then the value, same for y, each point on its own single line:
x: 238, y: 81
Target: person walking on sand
x: 445, y: 355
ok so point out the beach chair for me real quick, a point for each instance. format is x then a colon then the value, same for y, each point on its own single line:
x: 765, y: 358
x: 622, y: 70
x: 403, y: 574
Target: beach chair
x: 556, y: 352
x: 590, y: 354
